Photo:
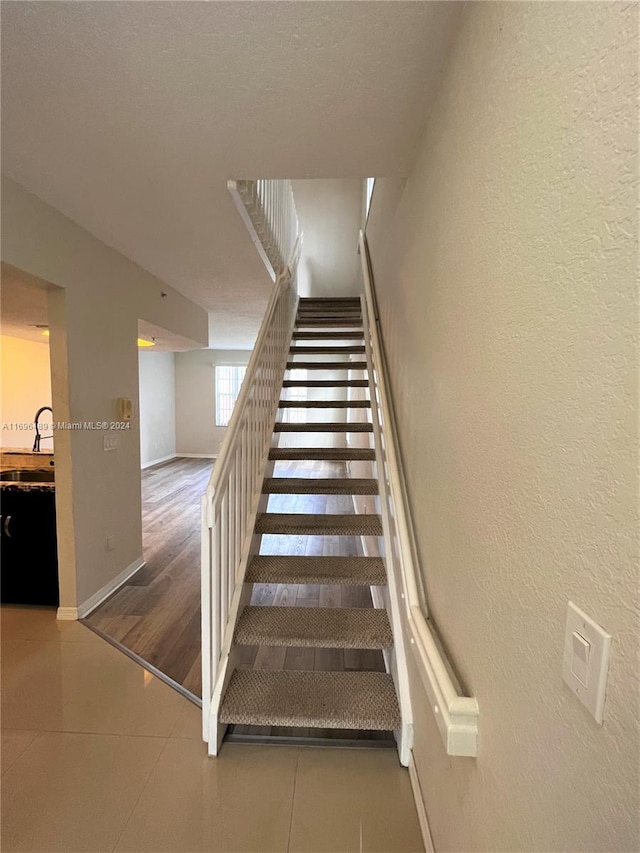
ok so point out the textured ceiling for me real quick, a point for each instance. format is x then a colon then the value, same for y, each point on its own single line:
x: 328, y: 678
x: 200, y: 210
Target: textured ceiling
x: 129, y: 117
x: 23, y: 307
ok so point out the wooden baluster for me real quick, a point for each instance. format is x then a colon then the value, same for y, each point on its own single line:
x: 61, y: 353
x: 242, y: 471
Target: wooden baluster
x: 216, y: 616
x: 233, y: 551
x: 206, y: 571
x: 239, y: 527
x: 243, y: 480
x: 224, y: 560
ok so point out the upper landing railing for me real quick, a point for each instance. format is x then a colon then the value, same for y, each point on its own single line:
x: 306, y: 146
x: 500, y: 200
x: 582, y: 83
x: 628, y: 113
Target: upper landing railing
x: 269, y: 212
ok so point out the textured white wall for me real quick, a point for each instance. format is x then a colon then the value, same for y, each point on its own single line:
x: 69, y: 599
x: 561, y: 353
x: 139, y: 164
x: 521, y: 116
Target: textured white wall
x: 26, y: 385
x: 196, y: 430
x: 330, y: 213
x: 506, y: 272
x: 93, y: 317
x: 157, y: 385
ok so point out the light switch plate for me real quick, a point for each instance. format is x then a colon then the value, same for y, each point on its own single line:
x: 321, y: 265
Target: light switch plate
x: 586, y: 660
x: 110, y: 442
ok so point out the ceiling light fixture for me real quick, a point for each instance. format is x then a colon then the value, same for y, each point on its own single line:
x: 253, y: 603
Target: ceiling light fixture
x: 143, y: 343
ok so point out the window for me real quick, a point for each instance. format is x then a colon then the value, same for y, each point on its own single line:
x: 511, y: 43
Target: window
x: 228, y: 381
x: 369, y: 192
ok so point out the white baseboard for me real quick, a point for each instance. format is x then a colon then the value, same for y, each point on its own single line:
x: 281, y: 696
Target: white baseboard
x: 72, y: 613
x: 158, y: 461
x: 197, y: 455
x: 67, y: 614
x: 420, y: 808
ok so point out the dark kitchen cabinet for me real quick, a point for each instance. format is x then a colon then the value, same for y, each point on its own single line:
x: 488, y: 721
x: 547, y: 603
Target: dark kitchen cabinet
x: 29, y: 548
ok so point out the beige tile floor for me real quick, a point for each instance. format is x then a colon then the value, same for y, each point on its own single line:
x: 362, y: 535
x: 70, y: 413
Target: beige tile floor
x: 98, y: 755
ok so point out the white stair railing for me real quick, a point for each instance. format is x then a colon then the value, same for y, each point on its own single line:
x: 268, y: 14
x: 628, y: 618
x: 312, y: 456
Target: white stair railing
x: 230, y: 504
x: 269, y: 211
x: 455, y: 713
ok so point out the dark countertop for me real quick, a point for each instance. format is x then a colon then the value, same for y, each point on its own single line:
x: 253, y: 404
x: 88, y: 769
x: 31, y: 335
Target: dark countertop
x: 13, y: 486
x: 24, y: 451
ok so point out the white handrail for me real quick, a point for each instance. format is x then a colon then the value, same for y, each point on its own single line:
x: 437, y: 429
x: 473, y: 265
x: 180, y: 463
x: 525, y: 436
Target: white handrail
x: 456, y: 714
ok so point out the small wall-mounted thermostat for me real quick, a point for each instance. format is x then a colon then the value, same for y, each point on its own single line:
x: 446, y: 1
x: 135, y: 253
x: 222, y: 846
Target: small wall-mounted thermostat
x: 125, y: 409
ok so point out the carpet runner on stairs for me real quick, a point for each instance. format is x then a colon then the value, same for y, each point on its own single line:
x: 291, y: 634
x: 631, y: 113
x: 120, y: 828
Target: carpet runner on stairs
x: 298, y: 523
x: 320, y: 627
x: 326, y: 365
x: 335, y: 454
x: 325, y: 383
x: 350, y: 571
x: 328, y: 336
x: 340, y: 700
x: 324, y: 404
x: 323, y: 427
x: 330, y: 486
x: 323, y: 698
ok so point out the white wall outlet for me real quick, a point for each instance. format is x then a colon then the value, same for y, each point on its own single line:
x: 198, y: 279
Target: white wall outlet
x: 110, y: 442
x: 109, y: 543
x: 586, y: 660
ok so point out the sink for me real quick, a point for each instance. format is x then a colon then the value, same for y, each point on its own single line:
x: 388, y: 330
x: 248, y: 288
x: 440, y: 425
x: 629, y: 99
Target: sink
x: 37, y: 476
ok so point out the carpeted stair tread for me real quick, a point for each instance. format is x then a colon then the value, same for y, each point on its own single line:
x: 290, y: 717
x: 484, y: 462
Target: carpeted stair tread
x: 307, y: 350
x: 328, y: 700
x: 329, y: 306
x: 330, y: 300
x: 328, y: 486
x: 323, y: 314
x: 326, y: 365
x: 329, y: 310
x: 325, y: 524
x: 335, y: 454
x: 356, y: 426
x: 346, y: 571
x: 325, y: 404
x: 325, y: 383
x: 315, y: 627
x: 327, y: 336
x: 348, y: 322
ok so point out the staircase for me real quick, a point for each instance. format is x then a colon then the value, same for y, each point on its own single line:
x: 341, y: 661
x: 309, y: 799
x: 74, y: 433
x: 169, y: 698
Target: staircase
x: 328, y: 337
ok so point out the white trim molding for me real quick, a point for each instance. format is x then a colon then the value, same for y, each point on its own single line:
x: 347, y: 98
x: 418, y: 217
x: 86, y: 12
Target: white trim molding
x: 158, y: 461
x: 455, y: 714
x: 196, y: 456
x: 84, y: 609
x: 423, y: 820
x: 67, y: 614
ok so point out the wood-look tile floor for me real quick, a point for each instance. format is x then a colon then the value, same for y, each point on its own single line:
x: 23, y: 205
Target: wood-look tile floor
x: 156, y: 614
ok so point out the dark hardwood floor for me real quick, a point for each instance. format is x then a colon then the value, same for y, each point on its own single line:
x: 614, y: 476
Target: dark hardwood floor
x: 156, y: 615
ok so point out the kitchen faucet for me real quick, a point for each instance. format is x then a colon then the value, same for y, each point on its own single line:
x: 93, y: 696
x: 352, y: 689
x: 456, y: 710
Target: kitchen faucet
x: 38, y: 438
